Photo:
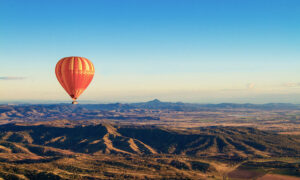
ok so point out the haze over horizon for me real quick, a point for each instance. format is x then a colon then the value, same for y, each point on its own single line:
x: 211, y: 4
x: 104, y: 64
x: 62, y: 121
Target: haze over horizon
x: 190, y: 51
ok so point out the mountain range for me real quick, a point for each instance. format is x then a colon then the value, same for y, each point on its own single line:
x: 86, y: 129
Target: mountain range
x: 140, y: 111
x: 50, y: 152
x: 230, y: 142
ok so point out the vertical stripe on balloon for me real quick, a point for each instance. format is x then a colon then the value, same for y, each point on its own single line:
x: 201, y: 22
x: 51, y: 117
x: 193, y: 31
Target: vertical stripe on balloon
x: 79, y: 64
x: 86, y: 65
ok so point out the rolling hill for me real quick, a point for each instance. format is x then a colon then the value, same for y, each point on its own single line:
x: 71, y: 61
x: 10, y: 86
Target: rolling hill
x: 110, y: 151
x: 225, y: 142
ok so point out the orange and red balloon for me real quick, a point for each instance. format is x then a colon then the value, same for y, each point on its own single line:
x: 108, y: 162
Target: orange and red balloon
x: 74, y: 74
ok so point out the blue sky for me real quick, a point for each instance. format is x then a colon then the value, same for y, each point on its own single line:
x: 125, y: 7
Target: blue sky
x: 192, y: 51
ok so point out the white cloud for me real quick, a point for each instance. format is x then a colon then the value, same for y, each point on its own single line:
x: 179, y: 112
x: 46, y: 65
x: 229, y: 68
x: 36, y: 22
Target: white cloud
x: 11, y: 78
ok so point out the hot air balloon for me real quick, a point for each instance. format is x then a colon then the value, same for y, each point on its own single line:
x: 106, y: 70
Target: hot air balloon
x: 74, y: 74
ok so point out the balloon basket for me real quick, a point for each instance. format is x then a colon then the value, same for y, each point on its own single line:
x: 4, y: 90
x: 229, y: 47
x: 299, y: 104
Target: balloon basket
x: 74, y: 102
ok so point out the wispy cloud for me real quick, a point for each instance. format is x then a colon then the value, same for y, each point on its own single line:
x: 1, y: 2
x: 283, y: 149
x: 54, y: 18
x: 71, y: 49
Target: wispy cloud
x: 11, y: 78
x: 250, y: 86
x: 291, y: 84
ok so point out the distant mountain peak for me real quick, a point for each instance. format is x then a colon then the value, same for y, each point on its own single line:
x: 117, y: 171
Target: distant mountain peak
x: 155, y: 101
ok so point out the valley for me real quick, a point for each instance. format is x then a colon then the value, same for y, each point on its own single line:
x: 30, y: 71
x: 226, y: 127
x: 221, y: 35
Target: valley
x: 152, y: 140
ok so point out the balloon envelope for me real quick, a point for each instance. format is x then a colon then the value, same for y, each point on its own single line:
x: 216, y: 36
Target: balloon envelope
x: 74, y: 74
